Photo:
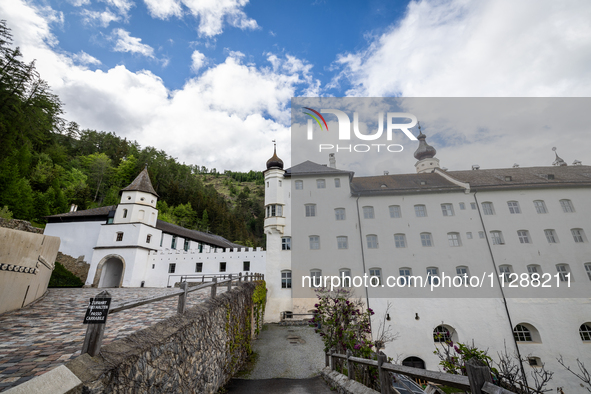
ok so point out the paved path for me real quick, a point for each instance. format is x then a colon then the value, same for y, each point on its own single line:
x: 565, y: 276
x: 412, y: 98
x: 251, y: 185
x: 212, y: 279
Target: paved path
x: 284, y: 386
x: 38, y: 338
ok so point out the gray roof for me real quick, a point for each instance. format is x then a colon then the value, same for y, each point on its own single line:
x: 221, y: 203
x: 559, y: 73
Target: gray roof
x: 310, y: 168
x: 141, y: 183
x: 195, y: 235
x: 402, y: 184
x: 101, y: 211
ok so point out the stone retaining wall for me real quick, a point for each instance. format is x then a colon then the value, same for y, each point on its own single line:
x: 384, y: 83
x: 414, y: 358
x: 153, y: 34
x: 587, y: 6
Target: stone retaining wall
x: 342, y: 384
x: 77, y: 266
x: 21, y: 225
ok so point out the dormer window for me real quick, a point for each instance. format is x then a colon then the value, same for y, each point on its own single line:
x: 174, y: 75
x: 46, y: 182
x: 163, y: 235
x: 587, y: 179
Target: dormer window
x: 508, y: 179
x: 550, y: 177
x: 423, y: 183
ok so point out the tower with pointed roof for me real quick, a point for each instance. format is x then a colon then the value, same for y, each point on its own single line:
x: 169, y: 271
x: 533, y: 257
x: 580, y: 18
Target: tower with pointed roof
x: 138, y: 202
x: 425, y: 154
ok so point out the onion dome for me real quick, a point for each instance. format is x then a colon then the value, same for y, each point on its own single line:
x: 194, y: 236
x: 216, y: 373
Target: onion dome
x: 274, y: 161
x: 424, y: 151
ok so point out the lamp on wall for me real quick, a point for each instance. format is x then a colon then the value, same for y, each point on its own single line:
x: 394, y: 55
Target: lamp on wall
x: 417, y: 316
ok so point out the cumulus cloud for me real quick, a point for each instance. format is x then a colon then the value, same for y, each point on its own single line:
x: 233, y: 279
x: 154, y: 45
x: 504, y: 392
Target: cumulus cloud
x: 122, y: 6
x: 85, y: 59
x: 101, y: 18
x: 79, y: 3
x: 211, y: 14
x: 477, y: 48
x: 124, y: 42
x: 197, y: 61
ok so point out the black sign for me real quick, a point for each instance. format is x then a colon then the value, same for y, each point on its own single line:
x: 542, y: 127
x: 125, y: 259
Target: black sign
x: 97, y: 311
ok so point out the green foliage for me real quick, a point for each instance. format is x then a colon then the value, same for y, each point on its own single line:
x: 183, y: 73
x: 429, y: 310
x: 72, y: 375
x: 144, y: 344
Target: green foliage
x: 454, y: 356
x: 5, y: 213
x: 259, y: 298
x: 61, y: 277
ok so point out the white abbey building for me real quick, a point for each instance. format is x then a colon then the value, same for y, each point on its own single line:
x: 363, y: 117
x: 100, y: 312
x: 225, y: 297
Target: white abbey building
x: 128, y: 246
x: 321, y: 221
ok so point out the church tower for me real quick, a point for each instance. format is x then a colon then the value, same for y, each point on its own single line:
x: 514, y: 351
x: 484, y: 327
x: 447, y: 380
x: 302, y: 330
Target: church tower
x: 425, y: 154
x: 138, y: 202
x: 274, y: 195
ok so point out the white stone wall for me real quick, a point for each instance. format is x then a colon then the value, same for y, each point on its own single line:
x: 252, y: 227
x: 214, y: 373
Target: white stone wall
x: 77, y: 238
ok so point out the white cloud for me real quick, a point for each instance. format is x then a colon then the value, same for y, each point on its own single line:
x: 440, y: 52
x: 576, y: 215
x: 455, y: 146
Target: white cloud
x: 84, y: 58
x: 210, y: 13
x: 101, y: 18
x: 478, y: 48
x: 126, y: 43
x: 123, y: 6
x: 197, y: 61
x: 79, y: 3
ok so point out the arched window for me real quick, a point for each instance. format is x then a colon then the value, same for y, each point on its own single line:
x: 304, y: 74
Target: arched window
x: 372, y: 241
x: 368, y: 213
x: 441, y: 334
x: 454, y: 239
x: 585, y: 332
x: 316, y: 277
x: 522, y: 334
x: 413, y: 362
x: 375, y: 276
x: 426, y: 239
x: 487, y: 208
x: 420, y: 211
x: 286, y: 279
x: 400, y: 240
x: 124, y: 213
x: 506, y: 271
x: 513, y: 207
x: 567, y: 206
x: 345, y: 275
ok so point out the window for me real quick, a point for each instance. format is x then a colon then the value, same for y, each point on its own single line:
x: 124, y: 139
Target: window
x: 522, y: 334
x: 405, y: 274
x: 161, y: 239
x: 469, y: 235
x: 173, y: 242
x: 316, y: 276
x: 345, y: 275
x: 320, y: 184
x: 375, y: 276
x: 141, y: 214
x: 540, y: 206
x: 505, y: 270
x: 286, y: 243
x: 274, y: 210
x: 497, y: 238
x: 314, y: 242
x: 119, y: 236
x: 585, y: 332
x: 563, y: 272
x: 124, y: 213
x: 588, y: 269
x: 481, y: 234
x: 337, y: 182
x: 462, y: 272
x: 447, y: 209
x: 426, y: 239
x: 523, y: 236
x: 171, y: 268
x: 198, y: 267
x: 473, y: 205
x: 148, y: 238
x: 534, y: 269
x: 487, y: 208
x: 441, y: 334
x: 454, y: 239
x: 420, y: 211
x: 395, y: 211
x: 400, y: 240
x: 342, y: 242
x: 567, y: 206
x: 433, y: 275
x: 513, y: 207
x: 222, y: 266
x: 534, y: 362
x: 339, y: 213
x: 372, y: 241
x: 280, y: 184
x: 368, y: 213
x: 186, y: 245
x: 578, y: 235
x: 299, y: 185
x: 551, y: 236
x: 310, y: 210
x: 246, y: 266
x: 286, y: 279
x: 462, y: 206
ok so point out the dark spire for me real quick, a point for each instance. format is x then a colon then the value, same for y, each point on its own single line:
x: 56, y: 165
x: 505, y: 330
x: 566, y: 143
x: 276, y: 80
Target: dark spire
x: 424, y: 151
x: 558, y: 161
x: 141, y: 183
x: 274, y: 161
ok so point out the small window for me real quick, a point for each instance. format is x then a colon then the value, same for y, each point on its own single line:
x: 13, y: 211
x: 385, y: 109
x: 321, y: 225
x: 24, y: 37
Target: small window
x: 320, y: 184
x: 534, y: 361
x: 161, y: 239
x: 299, y: 185
x: 375, y: 276
x: 578, y: 235
x: 540, y: 206
x: 522, y: 334
x: 523, y: 236
x: 534, y: 269
x: 246, y: 266
x: 314, y: 242
x: 447, y: 209
x: 473, y: 205
x: 368, y: 213
x: 316, y: 276
x: 400, y: 240
x: 462, y: 206
x: 469, y: 235
x: 506, y: 271
x: 171, y: 268
x: 345, y: 275
x: 339, y: 213
x: 222, y: 266
x: 462, y: 272
x: 124, y: 213
x: 420, y: 211
x: 129, y: 197
x: 567, y: 206
x: 441, y: 334
x: 280, y: 184
x: 310, y: 210
x: 148, y: 238
x: 153, y: 266
x: 395, y: 211
x: 405, y: 274
x: 142, y: 199
x: 372, y: 241
x: 481, y: 234
x: 513, y: 207
x: 173, y: 242
x: 454, y: 239
x: 119, y: 236
x: 433, y: 275
x: 426, y: 239
x: 198, y: 267
x: 186, y: 245
x: 286, y: 243
x: 585, y: 332
x: 286, y: 279
x: 588, y: 270
x: 110, y: 221
x: 508, y: 178
x: 342, y: 242
x: 487, y: 208
x: 337, y: 182
x: 563, y: 272
x: 551, y: 236
x: 497, y: 238
x: 550, y: 177
x: 267, y: 184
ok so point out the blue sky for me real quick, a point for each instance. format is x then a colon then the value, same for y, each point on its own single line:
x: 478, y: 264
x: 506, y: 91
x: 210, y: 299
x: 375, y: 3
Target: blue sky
x: 210, y: 81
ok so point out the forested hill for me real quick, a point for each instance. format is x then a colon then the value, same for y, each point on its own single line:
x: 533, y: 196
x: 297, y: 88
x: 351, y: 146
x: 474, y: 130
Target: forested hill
x: 47, y: 164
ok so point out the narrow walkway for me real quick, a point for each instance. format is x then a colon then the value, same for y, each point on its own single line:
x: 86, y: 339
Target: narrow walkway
x: 36, y: 339
x: 284, y: 386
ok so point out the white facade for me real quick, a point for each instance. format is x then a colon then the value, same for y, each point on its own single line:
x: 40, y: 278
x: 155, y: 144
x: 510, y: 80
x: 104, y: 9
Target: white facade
x: 477, y: 221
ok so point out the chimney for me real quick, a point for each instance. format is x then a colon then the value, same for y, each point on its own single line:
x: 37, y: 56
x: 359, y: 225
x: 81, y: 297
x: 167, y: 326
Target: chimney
x: 332, y: 162
x: 386, y: 172
x: 475, y: 167
x: 73, y: 208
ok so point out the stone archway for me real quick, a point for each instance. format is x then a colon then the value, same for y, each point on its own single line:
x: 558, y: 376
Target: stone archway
x: 109, y: 272
x: 414, y: 362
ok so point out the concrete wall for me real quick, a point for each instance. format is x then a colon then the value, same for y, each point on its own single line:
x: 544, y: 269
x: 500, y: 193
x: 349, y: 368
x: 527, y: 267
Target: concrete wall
x: 26, y: 263
x: 78, y: 238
